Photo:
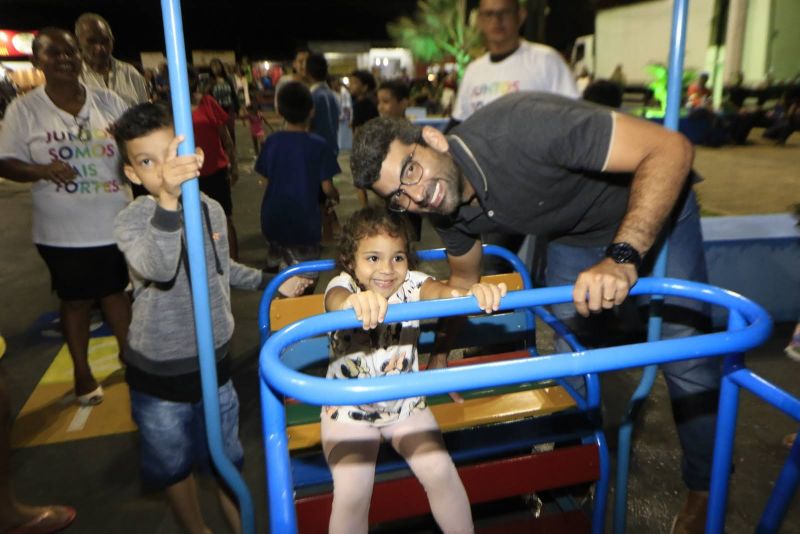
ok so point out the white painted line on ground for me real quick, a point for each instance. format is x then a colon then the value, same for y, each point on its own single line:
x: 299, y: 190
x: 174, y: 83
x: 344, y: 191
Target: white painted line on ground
x: 79, y: 421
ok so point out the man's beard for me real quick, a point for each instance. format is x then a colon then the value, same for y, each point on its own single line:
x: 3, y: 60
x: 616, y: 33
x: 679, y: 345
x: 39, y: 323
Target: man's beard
x: 451, y: 178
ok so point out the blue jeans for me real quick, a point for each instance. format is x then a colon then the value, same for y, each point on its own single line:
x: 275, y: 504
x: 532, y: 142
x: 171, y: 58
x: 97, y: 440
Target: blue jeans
x: 172, y: 436
x: 693, y: 384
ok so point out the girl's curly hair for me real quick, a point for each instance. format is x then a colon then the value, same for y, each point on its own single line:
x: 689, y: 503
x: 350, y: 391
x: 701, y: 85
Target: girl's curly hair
x: 369, y: 222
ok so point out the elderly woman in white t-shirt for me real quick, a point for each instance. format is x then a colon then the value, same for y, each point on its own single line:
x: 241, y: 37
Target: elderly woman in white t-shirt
x: 55, y: 137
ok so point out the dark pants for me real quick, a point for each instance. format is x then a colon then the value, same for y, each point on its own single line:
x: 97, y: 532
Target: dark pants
x: 693, y: 384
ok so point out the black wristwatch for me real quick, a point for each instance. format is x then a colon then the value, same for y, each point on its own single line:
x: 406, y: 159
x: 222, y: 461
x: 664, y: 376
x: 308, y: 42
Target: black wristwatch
x: 624, y: 253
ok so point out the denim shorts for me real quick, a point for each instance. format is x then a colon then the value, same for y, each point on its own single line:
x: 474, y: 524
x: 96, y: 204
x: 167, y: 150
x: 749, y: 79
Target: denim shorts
x: 172, y: 436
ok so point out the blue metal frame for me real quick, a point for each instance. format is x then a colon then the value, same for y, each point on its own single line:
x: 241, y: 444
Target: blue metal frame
x: 671, y: 118
x: 589, y: 404
x: 592, y: 399
x: 179, y: 88
x: 736, y: 376
x: 277, y: 379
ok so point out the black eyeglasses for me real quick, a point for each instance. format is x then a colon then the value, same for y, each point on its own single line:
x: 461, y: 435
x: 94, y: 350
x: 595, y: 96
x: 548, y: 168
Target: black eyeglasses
x: 410, y: 174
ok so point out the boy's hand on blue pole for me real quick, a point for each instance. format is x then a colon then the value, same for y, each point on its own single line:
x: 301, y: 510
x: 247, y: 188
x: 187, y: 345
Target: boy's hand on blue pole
x: 178, y: 169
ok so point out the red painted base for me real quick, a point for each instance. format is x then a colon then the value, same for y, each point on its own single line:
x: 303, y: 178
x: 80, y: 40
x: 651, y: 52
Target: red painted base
x: 484, y: 482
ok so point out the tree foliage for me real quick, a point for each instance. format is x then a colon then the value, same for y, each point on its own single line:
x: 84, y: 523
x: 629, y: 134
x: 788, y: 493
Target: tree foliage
x: 440, y: 29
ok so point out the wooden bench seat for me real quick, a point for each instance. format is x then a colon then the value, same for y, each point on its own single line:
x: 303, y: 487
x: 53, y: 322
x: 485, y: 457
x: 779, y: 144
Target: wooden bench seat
x: 470, y: 413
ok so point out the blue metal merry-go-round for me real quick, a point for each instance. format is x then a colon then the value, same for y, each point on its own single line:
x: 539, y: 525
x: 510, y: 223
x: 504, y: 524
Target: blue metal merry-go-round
x: 284, y: 353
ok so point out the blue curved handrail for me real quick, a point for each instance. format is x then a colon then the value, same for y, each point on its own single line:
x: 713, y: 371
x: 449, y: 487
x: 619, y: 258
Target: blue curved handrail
x: 436, y: 254
x: 317, y: 390
x: 279, y: 379
x: 592, y: 399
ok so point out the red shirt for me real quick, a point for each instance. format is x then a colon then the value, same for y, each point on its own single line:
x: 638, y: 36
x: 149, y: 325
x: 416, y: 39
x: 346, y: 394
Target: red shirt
x: 207, y: 118
x: 697, y: 96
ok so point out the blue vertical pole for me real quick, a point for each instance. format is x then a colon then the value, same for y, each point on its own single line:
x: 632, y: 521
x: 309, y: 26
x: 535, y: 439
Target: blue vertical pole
x: 680, y: 12
x: 179, y: 88
x: 280, y: 489
x: 781, y: 497
x: 725, y: 433
x: 601, y: 489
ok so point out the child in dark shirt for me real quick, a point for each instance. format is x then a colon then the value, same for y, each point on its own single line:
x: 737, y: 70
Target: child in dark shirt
x: 295, y: 163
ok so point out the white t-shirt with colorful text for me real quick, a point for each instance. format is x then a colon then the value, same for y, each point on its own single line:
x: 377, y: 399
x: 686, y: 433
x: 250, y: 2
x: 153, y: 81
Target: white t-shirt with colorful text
x: 532, y: 67
x: 80, y: 213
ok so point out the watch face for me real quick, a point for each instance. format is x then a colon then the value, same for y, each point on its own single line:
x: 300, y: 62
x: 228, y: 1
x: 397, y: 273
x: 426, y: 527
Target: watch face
x: 623, y: 253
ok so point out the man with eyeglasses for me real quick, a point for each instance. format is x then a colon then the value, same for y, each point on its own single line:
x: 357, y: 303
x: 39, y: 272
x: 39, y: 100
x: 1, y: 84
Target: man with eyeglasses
x: 602, y: 186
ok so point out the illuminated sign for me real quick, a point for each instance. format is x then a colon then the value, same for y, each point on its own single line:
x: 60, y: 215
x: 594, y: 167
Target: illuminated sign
x: 16, y: 44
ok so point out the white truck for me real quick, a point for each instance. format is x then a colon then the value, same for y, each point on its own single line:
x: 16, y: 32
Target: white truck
x: 761, y: 40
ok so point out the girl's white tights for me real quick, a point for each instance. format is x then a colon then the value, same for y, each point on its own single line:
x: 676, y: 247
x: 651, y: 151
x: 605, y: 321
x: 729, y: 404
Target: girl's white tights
x: 351, y: 450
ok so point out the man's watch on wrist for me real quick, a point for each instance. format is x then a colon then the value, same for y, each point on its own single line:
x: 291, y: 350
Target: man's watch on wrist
x: 624, y: 253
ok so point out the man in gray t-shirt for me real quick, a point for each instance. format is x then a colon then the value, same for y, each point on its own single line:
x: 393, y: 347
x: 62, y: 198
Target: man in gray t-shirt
x: 600, y: 185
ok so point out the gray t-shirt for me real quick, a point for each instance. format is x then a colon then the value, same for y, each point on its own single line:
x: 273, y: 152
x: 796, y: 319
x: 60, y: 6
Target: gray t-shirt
x: 534, y: 160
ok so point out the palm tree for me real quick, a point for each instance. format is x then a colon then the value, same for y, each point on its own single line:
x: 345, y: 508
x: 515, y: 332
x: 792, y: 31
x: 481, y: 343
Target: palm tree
x: 440, y: 28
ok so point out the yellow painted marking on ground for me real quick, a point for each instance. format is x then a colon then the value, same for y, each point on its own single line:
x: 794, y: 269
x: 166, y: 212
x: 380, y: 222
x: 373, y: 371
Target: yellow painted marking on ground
x: 103, y: 357
x: 471, y: 413
x: 51, y: 414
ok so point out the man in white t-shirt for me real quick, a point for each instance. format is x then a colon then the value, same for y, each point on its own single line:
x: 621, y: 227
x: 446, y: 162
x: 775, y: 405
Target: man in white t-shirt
x: 512, y: 64
x: 100, y: 69
x: 298, y: 73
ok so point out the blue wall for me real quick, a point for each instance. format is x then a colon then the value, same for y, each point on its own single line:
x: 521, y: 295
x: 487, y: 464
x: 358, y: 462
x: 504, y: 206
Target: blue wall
x: 757, y: 256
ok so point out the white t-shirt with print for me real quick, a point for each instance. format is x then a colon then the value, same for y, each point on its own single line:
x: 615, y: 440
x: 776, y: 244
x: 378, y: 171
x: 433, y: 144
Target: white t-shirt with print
x: 389, y: 349
x: 123, y: 79
x: 80, y: 213
x: 532, y: 67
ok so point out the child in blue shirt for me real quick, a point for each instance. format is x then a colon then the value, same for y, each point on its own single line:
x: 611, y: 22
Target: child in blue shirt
x: 294, y: 164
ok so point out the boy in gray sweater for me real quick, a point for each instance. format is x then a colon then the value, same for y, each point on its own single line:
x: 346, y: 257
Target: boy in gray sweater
x: 162, y: 364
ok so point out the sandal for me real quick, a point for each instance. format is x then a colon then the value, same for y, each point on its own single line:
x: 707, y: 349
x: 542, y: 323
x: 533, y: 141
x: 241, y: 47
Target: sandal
x: 93, y: 398
x: 52, y: 519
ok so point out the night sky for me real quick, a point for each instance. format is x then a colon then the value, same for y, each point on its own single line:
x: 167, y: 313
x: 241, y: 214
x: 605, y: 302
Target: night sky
x: 260, y: 29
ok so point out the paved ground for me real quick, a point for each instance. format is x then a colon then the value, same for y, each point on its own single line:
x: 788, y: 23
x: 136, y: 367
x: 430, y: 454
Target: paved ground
x: 99, y: 477
x: 756, y: 178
